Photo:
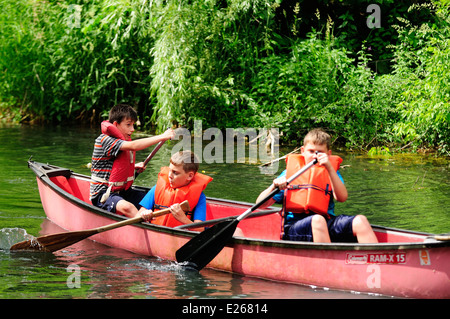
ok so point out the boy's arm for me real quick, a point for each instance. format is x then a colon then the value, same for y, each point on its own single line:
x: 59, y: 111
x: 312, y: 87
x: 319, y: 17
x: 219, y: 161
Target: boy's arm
x: 280, y: 183
x: 263, y: 194
x: 199, y: 213
x: 180, y: 215
x: 147, y: 203
x: 339, y: 190
x: 142, y: 143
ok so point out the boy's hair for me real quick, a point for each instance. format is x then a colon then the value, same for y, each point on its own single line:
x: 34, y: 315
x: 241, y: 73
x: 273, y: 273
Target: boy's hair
x: 186, y: 158
x: 120, y: 112
x: 319, y: 137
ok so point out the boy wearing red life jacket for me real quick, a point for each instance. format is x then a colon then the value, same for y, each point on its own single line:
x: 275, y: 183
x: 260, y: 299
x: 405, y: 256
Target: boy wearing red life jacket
x: 113, y: 162
x: 308, y: 202
x: 176, y: 183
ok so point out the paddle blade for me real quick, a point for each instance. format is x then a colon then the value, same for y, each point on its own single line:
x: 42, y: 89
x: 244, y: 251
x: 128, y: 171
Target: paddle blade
x: 442, y: 237
x: 53, y: 242
x: 201, y: 249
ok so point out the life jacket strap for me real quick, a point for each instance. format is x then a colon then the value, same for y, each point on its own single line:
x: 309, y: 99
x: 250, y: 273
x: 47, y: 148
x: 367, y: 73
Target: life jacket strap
x: 106, y: 195
x: 111, y: 185
x: 156, y: 206
x: 327, y: 190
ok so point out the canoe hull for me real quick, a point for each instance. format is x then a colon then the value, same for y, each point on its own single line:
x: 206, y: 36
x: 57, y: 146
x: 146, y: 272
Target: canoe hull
x: 416, y: 268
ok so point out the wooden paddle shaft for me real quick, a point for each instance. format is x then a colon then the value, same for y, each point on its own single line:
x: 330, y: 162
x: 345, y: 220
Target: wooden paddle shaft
x: 184, y: 206
x: 149, y: 157
x: 54, y: 242
x: 157, y: 147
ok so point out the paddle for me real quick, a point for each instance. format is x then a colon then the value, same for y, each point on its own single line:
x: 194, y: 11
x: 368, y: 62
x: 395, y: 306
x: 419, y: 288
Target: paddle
x: 218, y: 220
x: 150, y: 156
x: 201, y: 249
x: 54, y: 242
x: 442, y: 237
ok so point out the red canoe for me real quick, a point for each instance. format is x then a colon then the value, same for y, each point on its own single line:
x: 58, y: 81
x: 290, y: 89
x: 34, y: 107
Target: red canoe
x: 403, y: 263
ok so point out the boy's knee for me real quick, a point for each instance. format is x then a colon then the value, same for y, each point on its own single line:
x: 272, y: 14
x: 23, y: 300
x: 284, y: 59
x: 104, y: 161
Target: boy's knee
x: 363, y: 230
x: 360, y: 220
x: 319, y: 229
x: 126, y: 208
x: 318, y: 221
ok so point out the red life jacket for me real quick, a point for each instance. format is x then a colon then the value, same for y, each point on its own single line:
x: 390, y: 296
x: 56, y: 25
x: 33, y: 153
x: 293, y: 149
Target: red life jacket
x: 122, y: 174
x: 311, y: 191
x: 165, y: 196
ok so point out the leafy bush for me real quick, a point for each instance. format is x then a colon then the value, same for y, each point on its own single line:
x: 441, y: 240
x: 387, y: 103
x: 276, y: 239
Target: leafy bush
x: 62, y: 61
x: 234, y: 63
x: 422, y: 66
x: 204, y: 56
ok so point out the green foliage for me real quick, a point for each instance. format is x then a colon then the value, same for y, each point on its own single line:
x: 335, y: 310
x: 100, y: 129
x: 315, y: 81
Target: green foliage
x: 423, y: 64
x: 293, y: 65
x: 204, y: 55
x: 320, y: 86
x: 62, y: 61
x: 379, y: 150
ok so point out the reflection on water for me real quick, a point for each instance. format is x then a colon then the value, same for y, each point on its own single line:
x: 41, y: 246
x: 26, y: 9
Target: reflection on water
x: 107, y: 272
x: 403, y: 191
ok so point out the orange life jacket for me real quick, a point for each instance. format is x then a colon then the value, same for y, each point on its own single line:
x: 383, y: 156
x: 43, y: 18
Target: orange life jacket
x: 122, y: 174
x: 165, y: 196
x: 311, y: 191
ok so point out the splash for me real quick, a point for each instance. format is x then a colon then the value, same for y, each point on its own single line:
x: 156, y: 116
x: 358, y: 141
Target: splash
x: 11, y: 236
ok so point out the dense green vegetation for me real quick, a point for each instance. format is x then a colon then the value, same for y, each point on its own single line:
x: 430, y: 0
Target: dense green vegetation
x: 289, y: 64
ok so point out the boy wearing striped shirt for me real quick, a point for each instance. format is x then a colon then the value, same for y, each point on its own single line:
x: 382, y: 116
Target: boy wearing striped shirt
x: 107, y: 149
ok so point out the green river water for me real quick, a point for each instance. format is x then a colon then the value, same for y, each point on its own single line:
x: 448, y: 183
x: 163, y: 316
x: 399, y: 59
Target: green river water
x: 408, y: 191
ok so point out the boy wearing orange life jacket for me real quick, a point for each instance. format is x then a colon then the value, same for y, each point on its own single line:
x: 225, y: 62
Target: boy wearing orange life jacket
x: 113, y: 162
x: 308, y: 203
x: 176, y: 183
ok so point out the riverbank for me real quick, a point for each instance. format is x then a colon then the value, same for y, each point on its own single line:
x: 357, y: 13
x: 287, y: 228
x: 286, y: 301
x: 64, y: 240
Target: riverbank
x: 9, y: 118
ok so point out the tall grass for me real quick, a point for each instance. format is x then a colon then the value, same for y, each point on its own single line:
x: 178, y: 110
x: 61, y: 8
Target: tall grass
x: 61, y: 61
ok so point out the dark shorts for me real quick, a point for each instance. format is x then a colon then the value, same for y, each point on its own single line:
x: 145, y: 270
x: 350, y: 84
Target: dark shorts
x: 340, y: 229
x: 131, y: 195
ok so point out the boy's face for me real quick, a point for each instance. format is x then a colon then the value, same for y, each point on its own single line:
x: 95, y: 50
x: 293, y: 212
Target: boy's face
x: 178, y: 177
x: 126, y: 127
x: 309, y: 151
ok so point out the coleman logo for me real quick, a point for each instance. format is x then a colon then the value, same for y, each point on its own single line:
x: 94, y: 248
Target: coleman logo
x: 375, y: 258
